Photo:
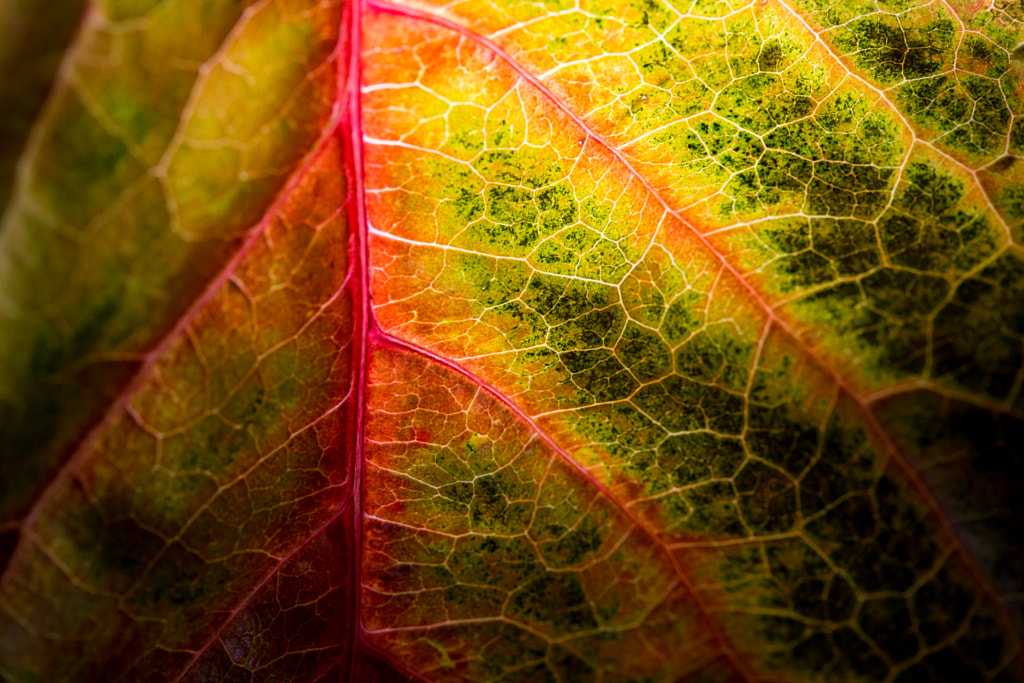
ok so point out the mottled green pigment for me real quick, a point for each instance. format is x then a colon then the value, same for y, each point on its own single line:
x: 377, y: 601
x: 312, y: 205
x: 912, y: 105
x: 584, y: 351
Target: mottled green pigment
x: 744, y: 456
x: 232, y: 452
x: 108, y: 188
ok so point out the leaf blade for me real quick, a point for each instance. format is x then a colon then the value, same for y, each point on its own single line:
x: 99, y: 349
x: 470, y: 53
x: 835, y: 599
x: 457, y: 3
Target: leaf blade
x: 766, y: 371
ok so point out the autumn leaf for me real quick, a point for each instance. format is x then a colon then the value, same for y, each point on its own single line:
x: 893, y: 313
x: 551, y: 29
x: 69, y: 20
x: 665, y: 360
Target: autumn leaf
x: 615, y: 340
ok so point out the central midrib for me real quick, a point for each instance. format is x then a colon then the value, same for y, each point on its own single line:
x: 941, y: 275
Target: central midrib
x: 369, y: 334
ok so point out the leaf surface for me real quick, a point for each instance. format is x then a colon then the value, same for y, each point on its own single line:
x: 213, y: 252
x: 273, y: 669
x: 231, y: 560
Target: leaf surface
x: 601, y: 341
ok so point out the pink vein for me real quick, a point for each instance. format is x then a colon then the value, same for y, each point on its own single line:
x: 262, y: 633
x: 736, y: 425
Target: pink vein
x: 358, y: 207
x: 219, y: 631
x: 381, y: 337
x: 872, y: 421
x: 151, y: 357
x: 357, y: 215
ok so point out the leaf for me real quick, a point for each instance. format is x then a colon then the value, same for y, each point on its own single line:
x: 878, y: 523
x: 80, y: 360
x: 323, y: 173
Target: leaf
x: 523, y: 341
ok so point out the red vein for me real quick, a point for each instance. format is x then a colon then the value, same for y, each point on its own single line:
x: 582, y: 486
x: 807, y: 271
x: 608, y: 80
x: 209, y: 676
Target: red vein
x: 384, y: 338
x: 152, y: 356
x: 247, y: 600
x: 883, y: 439
x: 357, y: 207
x: 351, y: 122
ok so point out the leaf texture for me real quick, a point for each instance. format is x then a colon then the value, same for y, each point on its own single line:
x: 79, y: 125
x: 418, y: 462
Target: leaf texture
x: 598, y: 341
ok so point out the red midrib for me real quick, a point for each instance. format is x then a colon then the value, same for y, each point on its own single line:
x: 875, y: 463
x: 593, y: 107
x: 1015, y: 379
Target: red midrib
x: 369, y: 331
x: 346, y: 103
x: 884, y: 440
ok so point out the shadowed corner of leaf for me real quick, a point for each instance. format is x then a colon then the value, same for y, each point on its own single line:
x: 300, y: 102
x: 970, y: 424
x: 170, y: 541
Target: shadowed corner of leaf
x: 31, y: 49
x: 371, y: 667
x: 8, y: 541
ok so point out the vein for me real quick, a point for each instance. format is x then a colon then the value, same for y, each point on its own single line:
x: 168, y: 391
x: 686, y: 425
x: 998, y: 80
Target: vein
x: 219, y: 631
x: 899, y: 114
x: 34, y: 140
x: 379, y: 336
x: 150, y: 358
x: 884, y: 440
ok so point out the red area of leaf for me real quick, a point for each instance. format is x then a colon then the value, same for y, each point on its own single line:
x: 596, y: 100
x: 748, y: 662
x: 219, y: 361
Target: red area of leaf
x: 306, y: 610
